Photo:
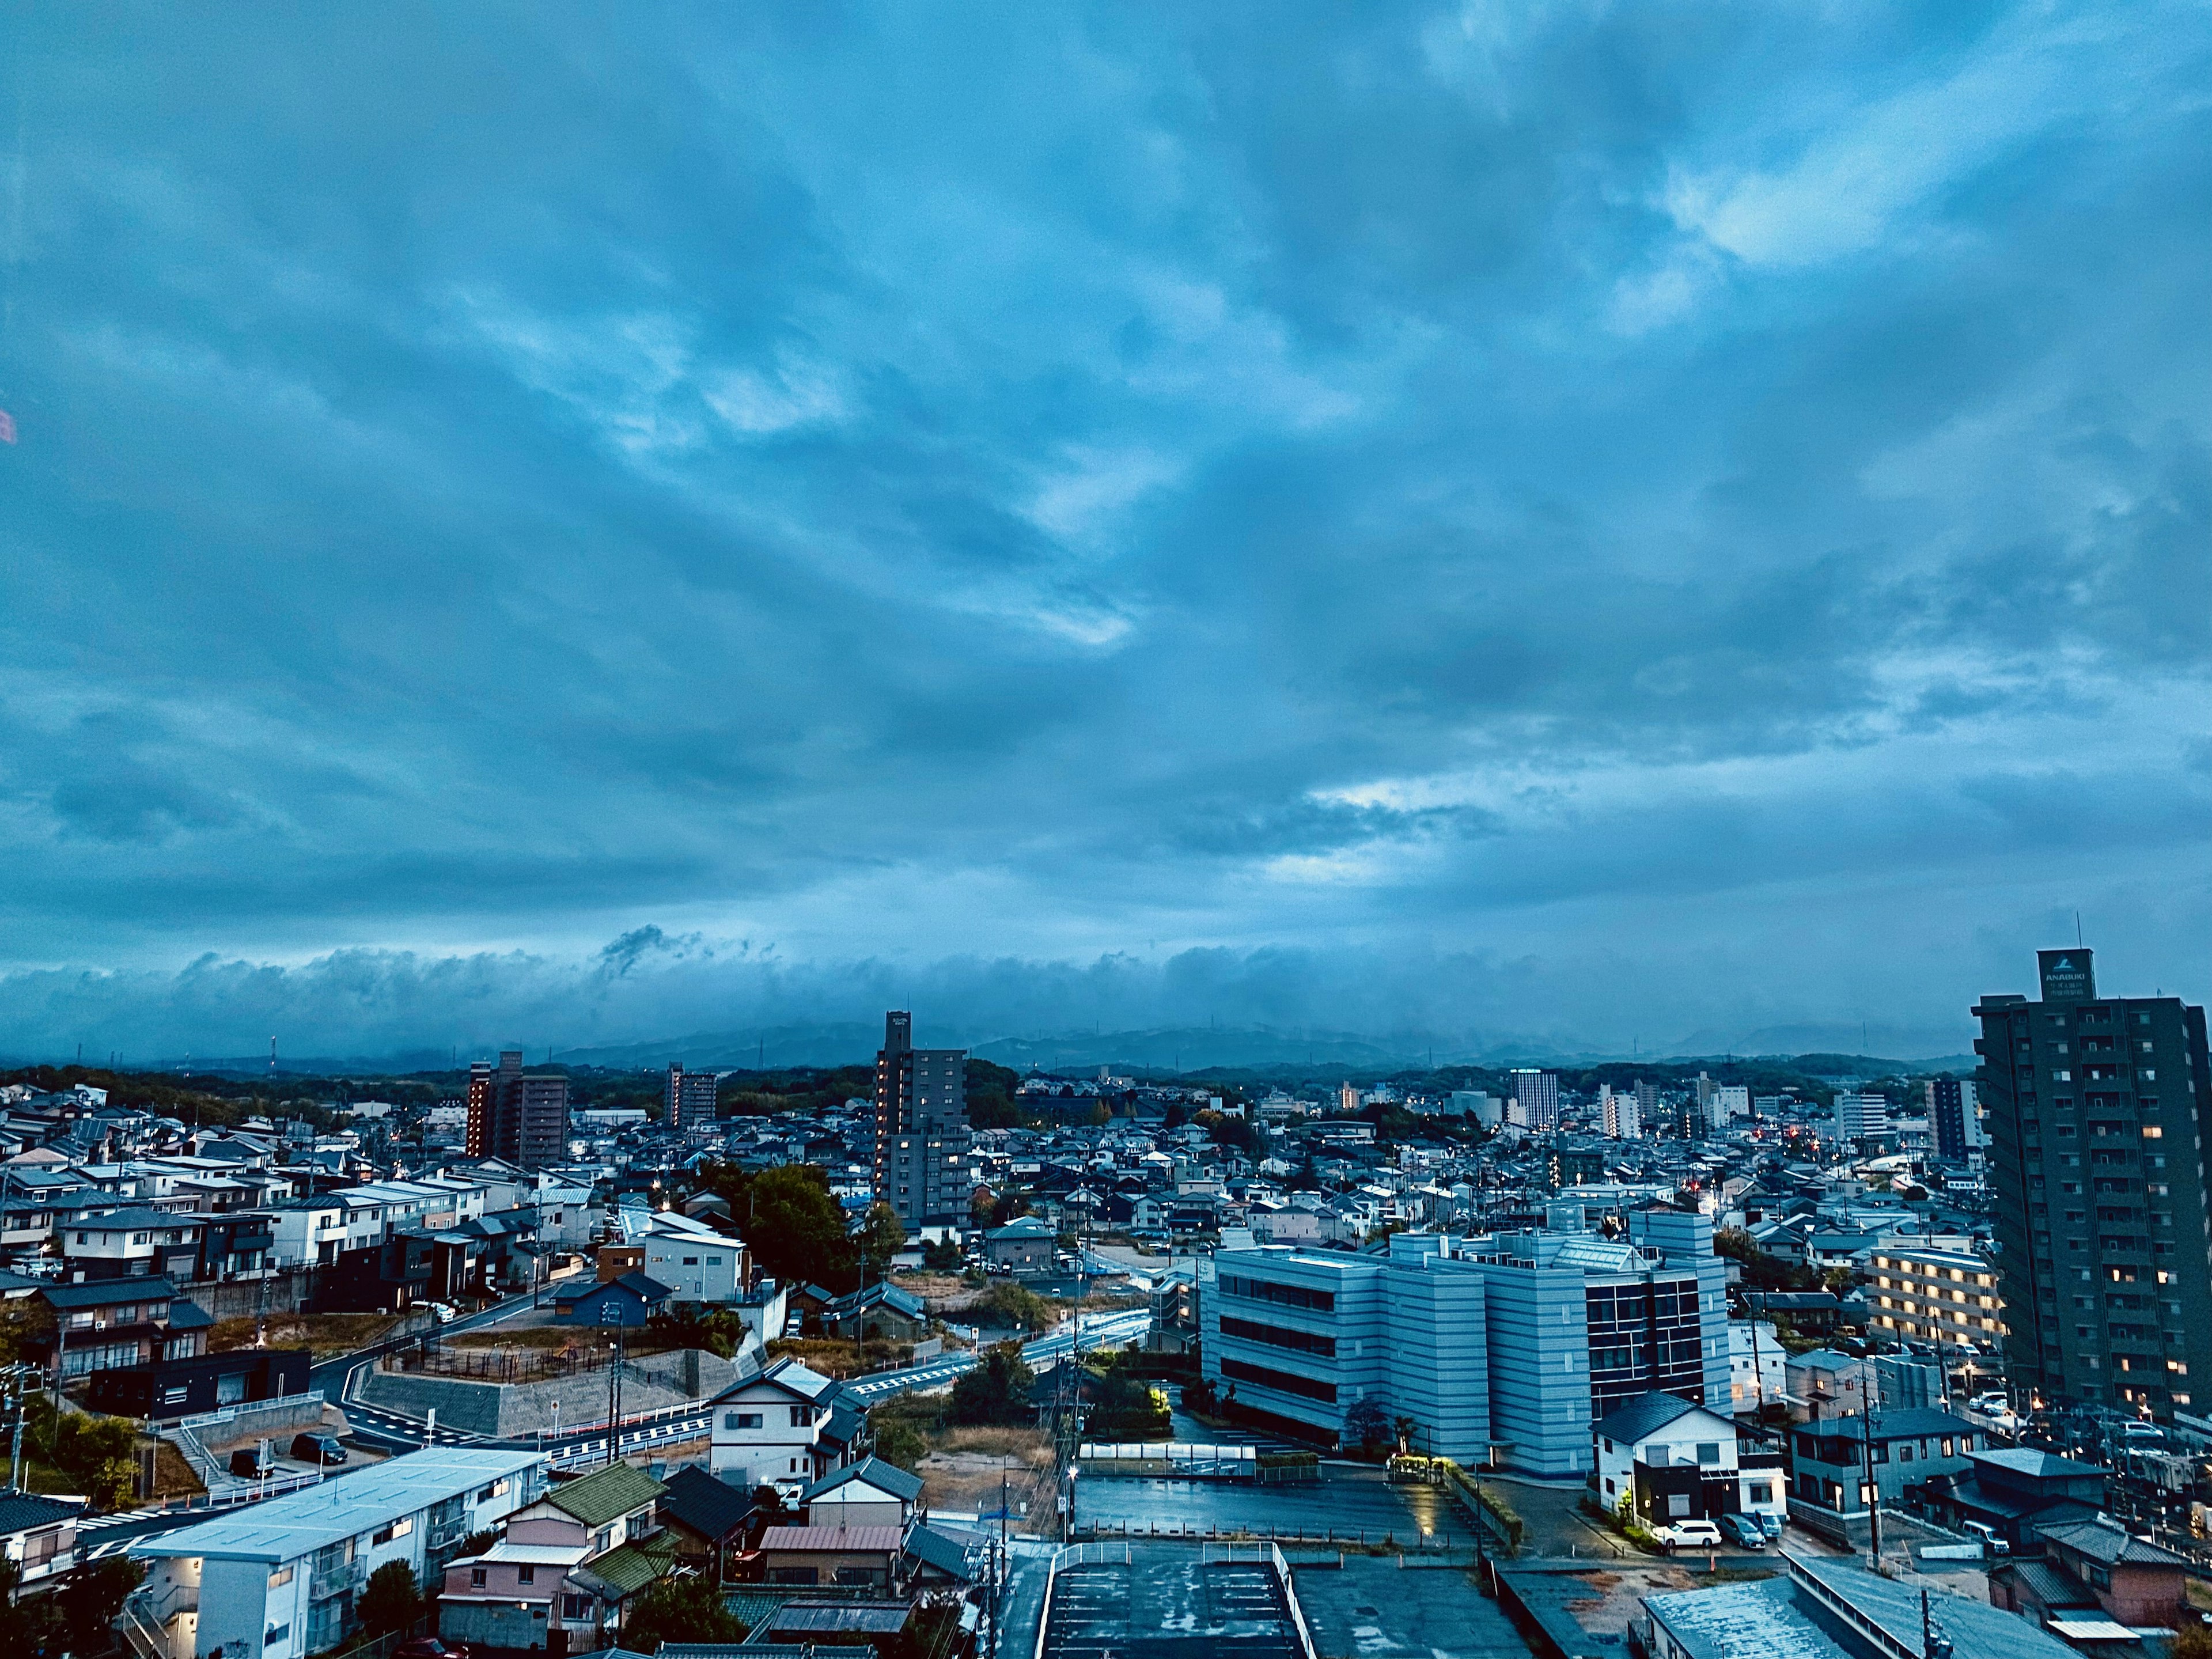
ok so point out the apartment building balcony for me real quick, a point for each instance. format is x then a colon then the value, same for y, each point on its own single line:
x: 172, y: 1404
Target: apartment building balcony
x: 336, y: 1581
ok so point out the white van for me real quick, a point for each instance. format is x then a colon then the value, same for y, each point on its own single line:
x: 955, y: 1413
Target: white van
x: 1991, y: 1543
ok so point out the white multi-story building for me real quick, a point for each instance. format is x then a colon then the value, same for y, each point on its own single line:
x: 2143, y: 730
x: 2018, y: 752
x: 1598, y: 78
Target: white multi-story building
x: 1623, y: 1120
x: 1858, y: 1115
x: 282, y: 1579
x: 1758, y: 1365
x: 697, y: 1263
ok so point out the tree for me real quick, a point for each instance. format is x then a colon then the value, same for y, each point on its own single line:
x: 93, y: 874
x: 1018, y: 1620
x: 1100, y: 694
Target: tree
x: 688, y: 1609
x: 2192, y: 1641
x: 390, y: 1601
x: 898, y: 1437
x: 1365, y: 1425
x: 943, y: 1256
x: 997, y: 1391
x: 91, y: 1597
x: 882, y: 1236
x: 1198, y: 1397
x: 1020, y: 1306
x: 1124, y: 1407
x: 992, y: 1095
x: 94, y: 1455
x: 27, y: 1332
x: 794, y: 1228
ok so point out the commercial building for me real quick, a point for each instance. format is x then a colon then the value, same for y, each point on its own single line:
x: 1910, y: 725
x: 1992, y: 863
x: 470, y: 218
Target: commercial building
x: 691, y: 1101
x: 1503, y: 1347
x: 1936, y: 1295
x: 282, y: 1579
x: 2095, y: 1118
x: 922, y: 1140
x: 1859, y: 1116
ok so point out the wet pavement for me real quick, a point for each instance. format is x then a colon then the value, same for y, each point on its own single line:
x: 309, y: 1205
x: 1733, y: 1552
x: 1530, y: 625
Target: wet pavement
x: 1347, y: 1504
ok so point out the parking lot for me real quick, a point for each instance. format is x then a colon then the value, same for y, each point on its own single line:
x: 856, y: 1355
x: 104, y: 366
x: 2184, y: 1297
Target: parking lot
x: 1349, y: 1504
x: 1371, y: 1608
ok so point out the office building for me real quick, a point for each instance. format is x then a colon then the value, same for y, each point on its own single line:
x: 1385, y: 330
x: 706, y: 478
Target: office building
x: 1860, y: 1116
x: 283, y: 1579
x: 1537, y: 1094
x: 1517, y: 1341
x: 1954, y: 1118
x: 2095, y: 1117
x: 922, y: 1140
x: 690, y: 1103
x: 1936, y: 1295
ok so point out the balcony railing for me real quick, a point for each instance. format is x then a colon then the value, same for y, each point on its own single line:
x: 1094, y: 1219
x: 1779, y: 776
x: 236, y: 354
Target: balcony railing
x: 335, y: 1581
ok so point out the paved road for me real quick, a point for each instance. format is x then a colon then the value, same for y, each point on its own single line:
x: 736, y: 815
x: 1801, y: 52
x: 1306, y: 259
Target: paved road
x: 645, y: 1433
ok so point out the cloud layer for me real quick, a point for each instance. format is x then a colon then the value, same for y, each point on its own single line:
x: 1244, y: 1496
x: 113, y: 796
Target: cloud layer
x: 1702, y: 513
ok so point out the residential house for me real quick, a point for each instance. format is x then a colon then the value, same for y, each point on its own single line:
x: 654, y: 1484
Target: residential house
x: 868, y: 1494
x: 2013, y: 1491
x: 1662, y: 1458
x: 767, y: 1428
x: 567, y: 1568
x: 1907, y: 1450
x: 706, y: 1520
x: 1023, y: 1246
x: 106, y: 1323
x: 39, y: 1534
x: 185, y: 1385
x: 881, y: 1311
x: 2095, y: 1570
x: 133, y: 1241
x: 629, y: 1301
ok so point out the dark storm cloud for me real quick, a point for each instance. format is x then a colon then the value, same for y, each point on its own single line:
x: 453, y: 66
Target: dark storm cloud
x: 1262, y: 502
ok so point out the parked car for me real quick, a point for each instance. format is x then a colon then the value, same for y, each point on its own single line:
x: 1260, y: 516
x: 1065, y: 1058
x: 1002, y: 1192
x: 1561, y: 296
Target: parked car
x: 252, y: 1462
x: 1991, y: 1403
x: 1745, y: 1530
x: 1770, y: 1524
x: 430, y: 1647
x: 323, y: 1450
x: 1690, y: 1535
x: 1991, y: 1543
x: 444, y: 1312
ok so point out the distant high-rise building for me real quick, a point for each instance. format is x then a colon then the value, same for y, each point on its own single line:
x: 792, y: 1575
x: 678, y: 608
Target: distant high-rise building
x: 1622, y: 1119
x: 2096, y: 1110
x: 1348, y: 1099
x: 1647, y: 1106
x: 1537, y: 1094
x: 479, y: 1136
x: 1954, y: 1118
x: 1858, y: 1115
x: 1729, y: 1103
x: 519, y: 1117
x: 922, y: 1137
x: 691, y: 1101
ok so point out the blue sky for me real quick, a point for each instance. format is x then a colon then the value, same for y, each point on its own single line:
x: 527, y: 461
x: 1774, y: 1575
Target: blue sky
x: 1551, y: 523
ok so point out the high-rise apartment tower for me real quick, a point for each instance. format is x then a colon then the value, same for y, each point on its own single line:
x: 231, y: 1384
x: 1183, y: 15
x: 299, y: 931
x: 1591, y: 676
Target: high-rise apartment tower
x: 2096, y: 1121
x: 691, y: 1102
x: 521, y: 1117
x: 922, y: 1138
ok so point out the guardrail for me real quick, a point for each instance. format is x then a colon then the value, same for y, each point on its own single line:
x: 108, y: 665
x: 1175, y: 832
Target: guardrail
x: 1072, y: 1555
x: 1274, y: 1558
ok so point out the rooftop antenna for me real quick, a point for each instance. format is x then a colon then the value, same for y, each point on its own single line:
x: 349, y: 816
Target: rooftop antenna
x: 272, y: 1056
x: 2077, y: 930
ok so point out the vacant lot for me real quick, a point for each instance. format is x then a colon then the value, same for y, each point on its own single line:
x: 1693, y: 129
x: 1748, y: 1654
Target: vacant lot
x: 964, y: 1469
x: 326, y: 1334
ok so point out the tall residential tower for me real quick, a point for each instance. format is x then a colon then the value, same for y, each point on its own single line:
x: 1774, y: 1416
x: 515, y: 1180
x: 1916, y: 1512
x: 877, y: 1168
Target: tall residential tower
x: 922, y: 1138
x: 2095, y: 1119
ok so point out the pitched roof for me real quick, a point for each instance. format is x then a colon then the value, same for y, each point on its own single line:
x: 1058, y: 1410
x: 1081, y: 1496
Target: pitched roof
x: 710, y: 1507
x: 2020, y: 1461
x: 631, y: 1567
x: 883, y: 1477
x: 106, y: 1292
x: 864, y: 1540
x: 615, y: 1491
x: 189, y: 1316
x: 946, y: 1554
x: 2109, y: 1544
x: 23, y: 1511
x: 1647, y: 1414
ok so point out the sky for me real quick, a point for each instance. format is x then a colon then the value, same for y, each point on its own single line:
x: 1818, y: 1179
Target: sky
x: 1614, y: 527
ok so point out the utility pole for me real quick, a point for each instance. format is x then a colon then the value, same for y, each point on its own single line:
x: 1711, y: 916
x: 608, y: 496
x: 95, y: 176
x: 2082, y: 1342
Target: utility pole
x: 1873, y: 1487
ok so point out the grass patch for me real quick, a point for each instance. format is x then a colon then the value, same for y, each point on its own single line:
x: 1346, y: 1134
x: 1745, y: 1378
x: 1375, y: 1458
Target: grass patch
x: 326, y: 1334
x: 836, y: 1356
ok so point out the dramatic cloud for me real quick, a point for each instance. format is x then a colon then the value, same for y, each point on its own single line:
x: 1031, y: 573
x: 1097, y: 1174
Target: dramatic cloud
x: 1552, y: 523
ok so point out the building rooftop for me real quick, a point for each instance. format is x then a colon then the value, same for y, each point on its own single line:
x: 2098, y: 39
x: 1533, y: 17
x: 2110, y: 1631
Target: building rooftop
x: 2109, y: 1544
x: 299, y: 1523
x: 614, y: 1491
x: 1648, y: 1413
x: 862, y: 1540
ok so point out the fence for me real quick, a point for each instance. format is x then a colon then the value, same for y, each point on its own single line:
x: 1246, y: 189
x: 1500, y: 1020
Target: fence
x: 1164, y: 1451
x: 1274, y: 1559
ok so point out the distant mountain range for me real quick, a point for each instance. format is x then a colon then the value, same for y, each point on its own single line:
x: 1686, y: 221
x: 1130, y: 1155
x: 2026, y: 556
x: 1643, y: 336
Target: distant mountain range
x: 1164, y: 1051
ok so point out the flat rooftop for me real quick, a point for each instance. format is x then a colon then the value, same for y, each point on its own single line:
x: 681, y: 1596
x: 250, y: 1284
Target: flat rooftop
x: 1164, y: 1603
x: 299, y: 1523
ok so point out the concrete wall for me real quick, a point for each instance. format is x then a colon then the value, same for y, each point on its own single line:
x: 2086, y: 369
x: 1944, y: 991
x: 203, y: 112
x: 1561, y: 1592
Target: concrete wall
x: 1538, y: 1324
x: 503, y: 1409
x: 1439, y: 1353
